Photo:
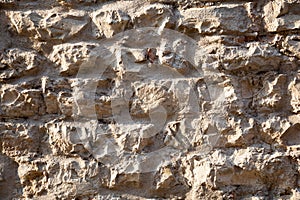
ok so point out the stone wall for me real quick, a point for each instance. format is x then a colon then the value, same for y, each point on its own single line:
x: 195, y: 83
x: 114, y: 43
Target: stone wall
x: 149, y: 99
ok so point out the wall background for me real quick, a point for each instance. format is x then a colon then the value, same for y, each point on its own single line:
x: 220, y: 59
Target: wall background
x: 204, y: 104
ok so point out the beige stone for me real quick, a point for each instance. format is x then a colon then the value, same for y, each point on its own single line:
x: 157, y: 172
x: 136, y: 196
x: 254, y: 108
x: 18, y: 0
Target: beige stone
x: 149, y: 99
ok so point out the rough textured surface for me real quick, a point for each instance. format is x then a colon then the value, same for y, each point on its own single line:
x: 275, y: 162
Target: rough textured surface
x: 149, y: 99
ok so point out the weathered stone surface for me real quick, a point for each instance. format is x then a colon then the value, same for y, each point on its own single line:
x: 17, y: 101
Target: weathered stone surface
x: 217, y: 19
x: 76, y: 2
x: 236, y: 170
x: 150, y: 99
x: 21, y: 140
x: 281, y: 15
x: 154, y: 16
x: 7, y: 1
x: 68, y: 57
x: 253, y: 57
x: 48, y: 25
x: 41, y: 26
x: 292, y: 44
x: 16, y: 62
x: 21, y: 103
x: 110, y: 22
x: 294, y: 92
x: 9, y: 184
x: 63, y: 26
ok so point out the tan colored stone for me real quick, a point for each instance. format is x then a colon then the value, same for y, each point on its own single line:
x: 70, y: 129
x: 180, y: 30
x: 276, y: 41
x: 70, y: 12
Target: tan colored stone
x: 68, y: 57
x: 217, y: 19
x: 16, y: 62
x: 110, y: 22
x: 149, y: 99
x: 281, y: 15
x: 26, y: 103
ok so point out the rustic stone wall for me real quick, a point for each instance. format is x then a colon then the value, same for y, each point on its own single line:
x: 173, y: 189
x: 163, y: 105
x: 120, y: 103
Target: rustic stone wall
x: 149, y: 99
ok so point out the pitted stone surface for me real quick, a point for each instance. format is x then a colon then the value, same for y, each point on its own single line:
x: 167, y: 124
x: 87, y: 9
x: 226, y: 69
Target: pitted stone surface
x: 149, y: 99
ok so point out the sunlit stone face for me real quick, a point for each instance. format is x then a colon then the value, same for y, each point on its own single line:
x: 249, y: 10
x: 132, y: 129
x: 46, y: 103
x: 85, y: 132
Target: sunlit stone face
x: 158, y: 97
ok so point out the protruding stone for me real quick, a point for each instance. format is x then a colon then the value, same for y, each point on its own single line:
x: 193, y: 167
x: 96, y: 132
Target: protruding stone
x: 110, y: 22
x: 24, y: 103
x: 45, y: 25
x: 281, y: 15
x: 16, y: 62
x: 68, y: 57
x: 216, y: 19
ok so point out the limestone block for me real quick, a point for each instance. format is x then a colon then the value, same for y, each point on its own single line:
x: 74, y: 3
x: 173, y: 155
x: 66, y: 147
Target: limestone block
x: 110, y: 22
x: 281, y: 15
x: 68, y: 57
x: 48, y: 25
x: 22, y: 103
x: 217, y: 19
x: 16, y: 62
